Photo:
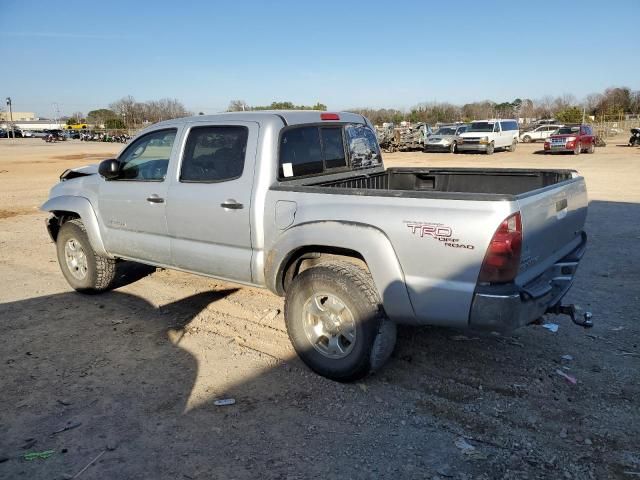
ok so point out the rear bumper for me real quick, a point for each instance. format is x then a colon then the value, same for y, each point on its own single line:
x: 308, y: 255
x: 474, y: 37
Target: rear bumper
x: 507, y: 307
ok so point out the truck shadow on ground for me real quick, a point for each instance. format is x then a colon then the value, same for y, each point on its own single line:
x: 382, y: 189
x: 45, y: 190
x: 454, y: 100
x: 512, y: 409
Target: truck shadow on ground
x: 111, y: 366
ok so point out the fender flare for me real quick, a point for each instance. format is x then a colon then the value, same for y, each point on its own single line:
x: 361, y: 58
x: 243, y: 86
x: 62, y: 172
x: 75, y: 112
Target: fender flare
x: 82, y: 207
x: 370, y: 242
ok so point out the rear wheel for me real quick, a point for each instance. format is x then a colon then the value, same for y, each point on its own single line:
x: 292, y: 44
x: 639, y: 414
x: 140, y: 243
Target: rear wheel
x: 592, y: 148
x: 84, y: 270
x: 490, y: 148
x: 453, y: 147
x: 335, y: 322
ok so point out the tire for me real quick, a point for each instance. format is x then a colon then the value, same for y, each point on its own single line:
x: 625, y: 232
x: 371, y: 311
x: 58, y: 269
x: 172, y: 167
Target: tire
x: 84, y: 270
x: 342, y: 346
x: 513, y: 146
x: 453, y: 148
x: 490, y: 148
x: 592, y: 147
x: 526, y: 139
x: 577, y: 150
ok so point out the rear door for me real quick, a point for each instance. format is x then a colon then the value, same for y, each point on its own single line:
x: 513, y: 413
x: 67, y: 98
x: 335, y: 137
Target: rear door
x: 552, y: 223
x: 208, y: 211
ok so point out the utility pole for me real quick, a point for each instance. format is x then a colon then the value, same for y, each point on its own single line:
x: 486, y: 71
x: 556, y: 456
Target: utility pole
x: 13, y: 133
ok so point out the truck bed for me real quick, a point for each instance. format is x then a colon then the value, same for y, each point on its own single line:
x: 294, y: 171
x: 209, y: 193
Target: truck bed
x: 464, y: 180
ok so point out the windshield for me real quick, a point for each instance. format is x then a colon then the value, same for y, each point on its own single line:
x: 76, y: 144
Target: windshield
x: 480, y: 127
x: 445, y: 131
x: 567, y: 130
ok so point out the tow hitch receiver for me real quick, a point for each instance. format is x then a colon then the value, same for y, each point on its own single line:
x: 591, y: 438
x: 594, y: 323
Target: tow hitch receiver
x: 570, y: 310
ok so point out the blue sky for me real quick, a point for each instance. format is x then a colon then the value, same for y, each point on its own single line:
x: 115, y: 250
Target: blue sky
x: 84, y: 55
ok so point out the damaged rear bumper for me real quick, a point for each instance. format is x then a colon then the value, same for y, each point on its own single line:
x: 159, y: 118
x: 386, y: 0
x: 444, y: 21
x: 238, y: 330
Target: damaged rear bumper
x: 507, y: 307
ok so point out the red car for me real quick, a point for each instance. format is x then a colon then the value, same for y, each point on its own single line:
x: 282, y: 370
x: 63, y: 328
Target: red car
x: 571, y: 138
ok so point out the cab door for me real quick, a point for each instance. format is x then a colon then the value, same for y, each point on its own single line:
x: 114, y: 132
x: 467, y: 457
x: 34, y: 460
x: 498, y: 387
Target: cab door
x: 132, y: 206
x: 209, y: 206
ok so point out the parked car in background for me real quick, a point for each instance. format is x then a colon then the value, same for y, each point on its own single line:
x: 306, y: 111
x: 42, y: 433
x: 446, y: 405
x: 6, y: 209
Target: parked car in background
x: 27, y: 134
x: 571, y: 138
x: 72, y: 134
x: 488, y: 135
x: 17, y: 133
x: 445, y: 138
x: 538, y: 133
x: 39, y: 134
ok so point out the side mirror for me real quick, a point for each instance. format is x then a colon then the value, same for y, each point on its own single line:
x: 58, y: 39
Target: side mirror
x: 109, y: 169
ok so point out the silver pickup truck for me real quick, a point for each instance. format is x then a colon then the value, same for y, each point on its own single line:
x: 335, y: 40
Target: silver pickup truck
x: 300, y: 203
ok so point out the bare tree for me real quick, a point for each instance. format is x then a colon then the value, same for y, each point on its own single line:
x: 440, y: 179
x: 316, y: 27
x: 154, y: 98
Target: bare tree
x: 238, y: 106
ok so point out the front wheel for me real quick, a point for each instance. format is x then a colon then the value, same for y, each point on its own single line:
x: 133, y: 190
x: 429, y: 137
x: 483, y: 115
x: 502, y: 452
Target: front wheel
x: 335, y: 322
x: 453, y: 147
x: 513, y: 146
x: 592, y: 148
x: 490, y: 149
x: 526, y: 139
x: 577, y: 150
x: 84, y: 270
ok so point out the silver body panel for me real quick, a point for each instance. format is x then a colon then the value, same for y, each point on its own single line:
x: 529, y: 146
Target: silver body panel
x: 422, y: 278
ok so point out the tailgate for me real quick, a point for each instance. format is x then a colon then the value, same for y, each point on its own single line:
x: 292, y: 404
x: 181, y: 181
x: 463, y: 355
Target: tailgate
x: 552, y: 223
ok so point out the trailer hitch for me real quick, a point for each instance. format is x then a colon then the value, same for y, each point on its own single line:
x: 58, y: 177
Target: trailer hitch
x: 570, y: 310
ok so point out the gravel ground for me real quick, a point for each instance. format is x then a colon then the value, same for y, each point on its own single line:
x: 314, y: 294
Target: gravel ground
x: 128, y: 379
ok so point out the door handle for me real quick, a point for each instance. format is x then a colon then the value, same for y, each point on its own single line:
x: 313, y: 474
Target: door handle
x: 155, y: 199
x: 231, y: 204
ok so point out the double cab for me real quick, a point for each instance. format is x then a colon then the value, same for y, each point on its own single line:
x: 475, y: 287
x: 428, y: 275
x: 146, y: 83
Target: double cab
x: 300, y: 203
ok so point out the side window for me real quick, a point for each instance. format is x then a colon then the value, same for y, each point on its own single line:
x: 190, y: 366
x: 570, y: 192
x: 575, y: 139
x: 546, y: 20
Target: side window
x: 147, y: 159
x: 214, y: 154
x: 333, y: 147
x: 300, y: 152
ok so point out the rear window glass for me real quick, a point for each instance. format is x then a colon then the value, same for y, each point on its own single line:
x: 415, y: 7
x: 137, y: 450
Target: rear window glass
x: 312, y: 150
x: 363, y: 146
x: 300, y: 152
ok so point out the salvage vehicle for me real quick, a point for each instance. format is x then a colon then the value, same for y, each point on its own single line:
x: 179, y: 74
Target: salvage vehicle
x: 571, y: 138
x: 445, y: 139
x: 300, y: 203
x: 538, y: 133
x: 488, y: 135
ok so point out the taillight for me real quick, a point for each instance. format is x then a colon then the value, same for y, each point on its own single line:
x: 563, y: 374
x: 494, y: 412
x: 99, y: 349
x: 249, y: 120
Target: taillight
x: 502, y: 260
x: 329, y: 116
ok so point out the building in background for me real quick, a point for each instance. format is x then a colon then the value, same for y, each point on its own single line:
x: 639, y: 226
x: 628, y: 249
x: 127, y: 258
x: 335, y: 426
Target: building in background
x: 18, y: 116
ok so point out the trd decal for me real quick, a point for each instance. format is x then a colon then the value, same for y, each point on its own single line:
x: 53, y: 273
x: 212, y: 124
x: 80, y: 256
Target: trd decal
x: 438, y: 231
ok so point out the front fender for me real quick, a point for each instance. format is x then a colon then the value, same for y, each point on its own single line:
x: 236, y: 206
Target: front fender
x: 82, y: 207
x: 368, y: 241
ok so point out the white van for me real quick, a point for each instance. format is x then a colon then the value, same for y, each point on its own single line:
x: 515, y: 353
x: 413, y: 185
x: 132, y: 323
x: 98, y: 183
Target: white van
x: 488, y: 135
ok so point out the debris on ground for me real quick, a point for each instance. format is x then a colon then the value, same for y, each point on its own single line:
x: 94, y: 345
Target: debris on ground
x: 95, y: 459
x: 68, y: 426
x: 38, y: 455
x: 552, y: 327
x: 567, y: 377
x: 567, y: 357
x: 224, y: 401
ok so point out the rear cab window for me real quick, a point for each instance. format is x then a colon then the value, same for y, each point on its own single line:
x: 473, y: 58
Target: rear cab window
x: 316, y: 149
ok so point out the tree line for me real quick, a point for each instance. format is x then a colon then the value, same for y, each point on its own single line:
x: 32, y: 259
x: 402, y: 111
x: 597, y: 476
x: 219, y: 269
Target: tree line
x: 129, y: 113
x: 610, y: 104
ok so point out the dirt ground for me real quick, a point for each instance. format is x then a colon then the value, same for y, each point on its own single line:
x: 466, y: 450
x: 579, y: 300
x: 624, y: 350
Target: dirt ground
x: 128, y: 379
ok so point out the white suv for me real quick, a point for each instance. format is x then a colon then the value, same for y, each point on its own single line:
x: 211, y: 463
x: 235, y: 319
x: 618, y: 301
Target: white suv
x: 539, y: 133
x: 487, y: 135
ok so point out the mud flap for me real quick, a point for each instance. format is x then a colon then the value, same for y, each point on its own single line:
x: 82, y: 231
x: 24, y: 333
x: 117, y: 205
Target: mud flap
x: 384, y: 344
